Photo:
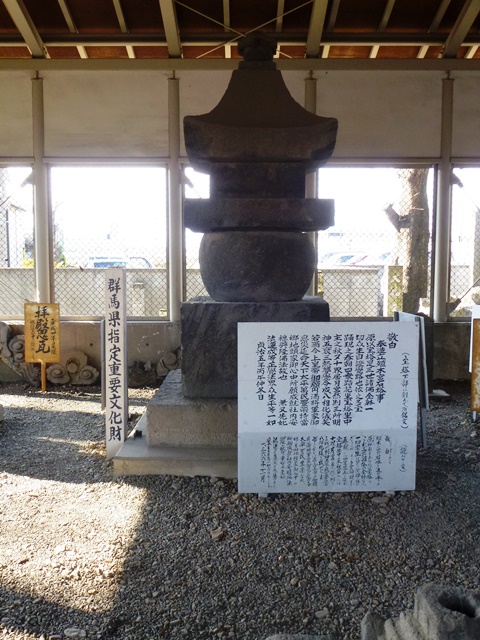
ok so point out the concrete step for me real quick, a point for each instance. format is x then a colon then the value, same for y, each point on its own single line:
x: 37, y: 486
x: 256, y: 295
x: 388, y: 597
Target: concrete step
x: 137, y: 457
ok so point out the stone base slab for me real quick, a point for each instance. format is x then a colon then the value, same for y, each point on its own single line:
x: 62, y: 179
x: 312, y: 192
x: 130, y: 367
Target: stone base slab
x: 175, y: 421
x: 209, y: 338
x: 136, y: 457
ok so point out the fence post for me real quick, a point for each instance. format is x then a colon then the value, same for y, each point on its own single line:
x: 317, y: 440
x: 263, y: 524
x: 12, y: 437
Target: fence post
x: 43, y: 253
x: 175, y: 218
x: 444, y: 207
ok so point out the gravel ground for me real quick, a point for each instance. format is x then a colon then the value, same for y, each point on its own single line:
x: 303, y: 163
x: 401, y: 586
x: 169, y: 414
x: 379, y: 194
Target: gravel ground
x: 85, y: 554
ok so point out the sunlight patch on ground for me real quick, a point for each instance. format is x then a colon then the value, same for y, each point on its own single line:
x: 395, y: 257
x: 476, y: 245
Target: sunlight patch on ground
x: 81, y: 530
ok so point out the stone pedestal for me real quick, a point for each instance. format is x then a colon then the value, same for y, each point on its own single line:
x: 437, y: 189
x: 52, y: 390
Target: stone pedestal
x: 182, y: 437
x: 209, y: 338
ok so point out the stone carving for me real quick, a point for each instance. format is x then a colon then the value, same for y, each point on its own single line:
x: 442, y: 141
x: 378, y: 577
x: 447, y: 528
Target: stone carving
x: 73, y: 369
x: 257, y: 145
x: 146, y: 374
x: 440, y: 613
x: 12, y: 353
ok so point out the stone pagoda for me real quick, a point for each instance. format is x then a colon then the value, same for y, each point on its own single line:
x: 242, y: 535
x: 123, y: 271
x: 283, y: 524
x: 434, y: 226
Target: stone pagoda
x: 257, y: 258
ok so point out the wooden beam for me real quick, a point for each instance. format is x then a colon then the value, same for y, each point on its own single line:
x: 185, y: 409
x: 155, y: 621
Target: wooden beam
x: 461, y: 28
x: 387, y: 12
x: 25, y: 25
x: 315, y: 30
x: 170, y: 24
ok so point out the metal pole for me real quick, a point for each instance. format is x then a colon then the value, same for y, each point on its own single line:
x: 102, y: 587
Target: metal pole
x: 40, y: 194
x: 311, y: 178
x: 444, y: 208
x: 175, y: 218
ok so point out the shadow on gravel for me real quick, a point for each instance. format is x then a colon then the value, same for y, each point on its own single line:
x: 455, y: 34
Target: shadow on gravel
x: 51, y: 444
x: 207, y: 562
x: 22, y: 613
x: 53, y: 447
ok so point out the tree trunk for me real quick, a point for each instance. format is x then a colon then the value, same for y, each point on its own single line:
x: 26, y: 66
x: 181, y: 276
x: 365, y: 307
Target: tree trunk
x: 413, y: 237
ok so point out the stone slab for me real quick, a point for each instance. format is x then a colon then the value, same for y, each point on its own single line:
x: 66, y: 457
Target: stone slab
x: 209, y: 339
x: 2, y: 412
x: 136, y: 457
x: 294, y: 214
x: 173, y: 420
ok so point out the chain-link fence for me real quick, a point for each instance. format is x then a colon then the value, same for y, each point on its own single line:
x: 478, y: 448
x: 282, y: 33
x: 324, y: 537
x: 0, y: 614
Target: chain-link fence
x: 110, y: 217
x: 197, y: 185
x: 376, y: 258
x: 16, y: 240
x: 465, y: 242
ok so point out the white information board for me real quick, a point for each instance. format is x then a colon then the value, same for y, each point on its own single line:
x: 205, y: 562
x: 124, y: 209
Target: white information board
x: 116, y: 371
x: 327, y: 406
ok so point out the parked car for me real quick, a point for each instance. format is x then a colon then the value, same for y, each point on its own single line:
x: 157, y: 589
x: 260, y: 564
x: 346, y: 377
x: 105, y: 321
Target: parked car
x: 134, y: 262
x: 341, y: 259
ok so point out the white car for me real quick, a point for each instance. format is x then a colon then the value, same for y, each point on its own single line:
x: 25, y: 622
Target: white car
x: 135, y: 262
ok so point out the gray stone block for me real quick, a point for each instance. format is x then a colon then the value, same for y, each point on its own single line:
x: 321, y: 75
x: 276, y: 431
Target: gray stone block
x: 257, y: 179
x: 209, y: 339
x: 299, y: 214
x: 175, y: 421
x: 440, y: 613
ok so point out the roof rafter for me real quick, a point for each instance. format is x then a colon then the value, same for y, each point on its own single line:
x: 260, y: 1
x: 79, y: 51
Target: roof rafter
x: 460, y: 29
x: 439, y: 15
x: 25, y: 25
x: 280, y: 12
x: 123, y: 24
x: 387, y: 12
x: 170, y: 24
x: 226, y: 28
x: 315, y: 30
x: 67, y: 14
x: 332, y: 18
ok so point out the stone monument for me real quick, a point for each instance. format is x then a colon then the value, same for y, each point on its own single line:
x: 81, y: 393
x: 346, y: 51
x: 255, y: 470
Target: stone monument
x: 257, y: 258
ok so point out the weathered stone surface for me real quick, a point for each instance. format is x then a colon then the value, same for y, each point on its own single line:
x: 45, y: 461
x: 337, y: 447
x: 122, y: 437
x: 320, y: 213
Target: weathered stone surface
x: 258, y: 266
x: 440, y: 613
x: 257, y: 180
x: 257, y: 120
x: 258, y: 143
x: 209, y: 339
x: 176, y: 421
x: 2, y: 412
x: 295, y: 214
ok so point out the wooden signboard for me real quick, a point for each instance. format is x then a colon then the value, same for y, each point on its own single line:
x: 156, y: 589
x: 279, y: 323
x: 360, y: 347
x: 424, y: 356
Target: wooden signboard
x: 42, y: 335
x: 327, y: 406
x: 116, y: 371
x: 475, y: 350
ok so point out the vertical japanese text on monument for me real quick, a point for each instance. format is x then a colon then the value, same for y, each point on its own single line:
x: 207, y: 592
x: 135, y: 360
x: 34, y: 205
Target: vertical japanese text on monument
x: 335, y: 462
x: 322, y: 381
x: 115, y: 398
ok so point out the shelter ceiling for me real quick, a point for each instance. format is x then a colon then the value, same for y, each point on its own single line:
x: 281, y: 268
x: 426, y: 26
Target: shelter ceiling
x: 210, y: 29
